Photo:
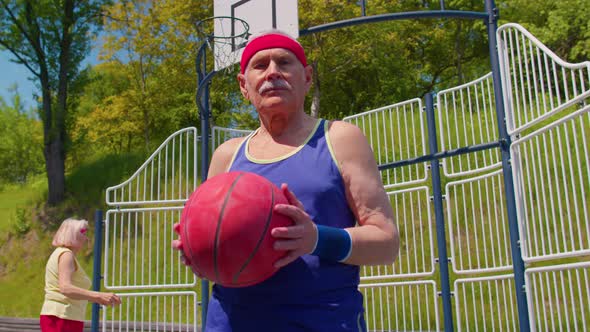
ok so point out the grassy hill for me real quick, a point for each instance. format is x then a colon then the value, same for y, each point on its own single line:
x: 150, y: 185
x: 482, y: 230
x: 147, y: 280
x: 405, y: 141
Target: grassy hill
x: 24, y: 247
x: 27, y: 226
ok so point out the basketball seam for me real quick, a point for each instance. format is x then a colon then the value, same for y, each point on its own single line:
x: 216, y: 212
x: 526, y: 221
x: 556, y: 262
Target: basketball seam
x: 218, y: 229
x: 261, y: 238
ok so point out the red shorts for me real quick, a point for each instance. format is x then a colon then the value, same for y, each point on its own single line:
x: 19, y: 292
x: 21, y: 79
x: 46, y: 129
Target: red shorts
x: 55, y: 324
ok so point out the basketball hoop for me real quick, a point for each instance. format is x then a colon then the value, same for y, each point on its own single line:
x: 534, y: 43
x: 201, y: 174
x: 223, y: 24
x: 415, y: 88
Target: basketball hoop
x: 225, y: 36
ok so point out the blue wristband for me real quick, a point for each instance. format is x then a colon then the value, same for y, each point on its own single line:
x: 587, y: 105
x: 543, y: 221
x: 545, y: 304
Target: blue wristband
x: 333, y: 243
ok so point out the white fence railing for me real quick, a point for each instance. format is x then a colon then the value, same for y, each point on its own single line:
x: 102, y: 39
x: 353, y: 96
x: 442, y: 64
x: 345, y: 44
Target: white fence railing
x: 536, y: 83
x: 138, y: 250
x: 401, y: 306
x: 168, y: 176
x: 478, y: 224
x: 486, y: 304
x: 552, y: 173
x: 467, y: 117
x: 153, y: 311
x: 396, y: 132
x: 559, y: 297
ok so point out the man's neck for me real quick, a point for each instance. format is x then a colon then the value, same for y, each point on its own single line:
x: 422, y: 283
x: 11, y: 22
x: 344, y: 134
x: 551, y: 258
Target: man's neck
x: 287, y: 130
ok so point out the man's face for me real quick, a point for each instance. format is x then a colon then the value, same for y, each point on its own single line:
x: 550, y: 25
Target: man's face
x: 275, y: 79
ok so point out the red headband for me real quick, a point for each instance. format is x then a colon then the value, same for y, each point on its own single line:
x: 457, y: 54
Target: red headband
x: 273, y: 40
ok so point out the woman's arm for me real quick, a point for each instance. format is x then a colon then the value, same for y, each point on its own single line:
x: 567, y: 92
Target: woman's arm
x: 66, y: 269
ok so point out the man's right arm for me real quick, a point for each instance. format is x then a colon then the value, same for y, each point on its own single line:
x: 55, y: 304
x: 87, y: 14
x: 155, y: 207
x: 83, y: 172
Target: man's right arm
x: 222, y: 156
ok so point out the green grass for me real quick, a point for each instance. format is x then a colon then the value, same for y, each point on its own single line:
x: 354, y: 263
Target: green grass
x: 23, y: 254
x: 21, y: 288
x: 13, y: 197
x: 87, y: 184
x: 22, y: 261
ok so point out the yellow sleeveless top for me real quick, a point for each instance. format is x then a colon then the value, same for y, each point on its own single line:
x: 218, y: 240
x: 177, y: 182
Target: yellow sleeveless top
x: 57, y: 304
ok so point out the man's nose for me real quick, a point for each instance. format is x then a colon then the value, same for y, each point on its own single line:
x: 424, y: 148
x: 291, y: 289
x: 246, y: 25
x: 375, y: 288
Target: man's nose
x: 273, y: 71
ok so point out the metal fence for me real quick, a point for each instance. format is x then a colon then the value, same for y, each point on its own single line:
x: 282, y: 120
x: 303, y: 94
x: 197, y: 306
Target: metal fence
x: 156, y: 289
x: 548, y: 120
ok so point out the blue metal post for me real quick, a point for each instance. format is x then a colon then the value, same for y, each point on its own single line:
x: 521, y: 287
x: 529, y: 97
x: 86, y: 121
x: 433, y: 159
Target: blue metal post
x: 204, y: 169
x: 96, y: 273
x: 517, y: 262
x: 202, y: 100
x: 443, y: 260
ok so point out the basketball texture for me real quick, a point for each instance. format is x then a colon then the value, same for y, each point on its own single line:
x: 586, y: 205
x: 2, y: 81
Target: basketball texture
x: 225, y: 228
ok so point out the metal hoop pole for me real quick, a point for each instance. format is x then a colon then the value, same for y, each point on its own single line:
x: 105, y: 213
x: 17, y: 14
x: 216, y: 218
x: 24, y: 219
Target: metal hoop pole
x: 203, y: 93
x: 202, y: 101
x: 200, y: 54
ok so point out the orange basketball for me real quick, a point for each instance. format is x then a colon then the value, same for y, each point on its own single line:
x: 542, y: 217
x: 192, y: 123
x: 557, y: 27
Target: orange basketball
x: 225, y: 228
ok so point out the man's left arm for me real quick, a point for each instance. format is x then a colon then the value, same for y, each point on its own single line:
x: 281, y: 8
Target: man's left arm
x: 375, y: 240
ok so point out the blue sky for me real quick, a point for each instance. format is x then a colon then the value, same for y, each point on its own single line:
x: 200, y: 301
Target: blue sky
x: 11, y: 73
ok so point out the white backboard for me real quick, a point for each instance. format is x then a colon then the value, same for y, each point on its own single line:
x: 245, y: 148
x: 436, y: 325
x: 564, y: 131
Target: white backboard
x: 260, y: 15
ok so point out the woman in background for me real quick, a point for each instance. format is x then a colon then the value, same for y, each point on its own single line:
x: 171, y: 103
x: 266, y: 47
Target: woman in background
x: 66, y: 284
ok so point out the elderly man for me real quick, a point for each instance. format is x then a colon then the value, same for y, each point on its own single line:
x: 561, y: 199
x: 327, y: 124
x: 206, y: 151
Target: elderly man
x: 330, y: 177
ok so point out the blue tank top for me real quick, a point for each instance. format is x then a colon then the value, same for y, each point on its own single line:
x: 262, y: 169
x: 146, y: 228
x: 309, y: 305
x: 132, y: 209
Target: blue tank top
x: 313, y: 175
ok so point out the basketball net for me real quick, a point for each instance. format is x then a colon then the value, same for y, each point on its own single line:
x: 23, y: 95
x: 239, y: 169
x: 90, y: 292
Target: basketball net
x: 224, y: 36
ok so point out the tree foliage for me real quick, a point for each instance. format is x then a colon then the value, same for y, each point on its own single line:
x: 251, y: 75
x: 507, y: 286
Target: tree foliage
x: 20, y: 143
x: 564, y: 26
x: 105, y: 122
x: 50, y: 38
x: 154, y: 44
x: 145, y: 89
x: 373, y: 65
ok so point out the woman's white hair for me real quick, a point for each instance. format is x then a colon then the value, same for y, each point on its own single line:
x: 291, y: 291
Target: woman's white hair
x: 69, y: 233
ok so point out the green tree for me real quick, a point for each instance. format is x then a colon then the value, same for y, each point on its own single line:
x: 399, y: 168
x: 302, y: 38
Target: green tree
x: 51, y: 38
x: 20, y: 142
x: 155, y: 44
x: 564, y: 26
x: 104, y: 122
x: 371, y: 65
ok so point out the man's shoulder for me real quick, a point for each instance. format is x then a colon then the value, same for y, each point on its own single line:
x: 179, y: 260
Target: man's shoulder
x: 223, y: 155
x: 348, y: 142
x: 342, y: 130
x: 229, y: 146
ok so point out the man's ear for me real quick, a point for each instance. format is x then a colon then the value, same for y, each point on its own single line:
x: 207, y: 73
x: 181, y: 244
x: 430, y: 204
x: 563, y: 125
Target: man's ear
x: 242, y: 82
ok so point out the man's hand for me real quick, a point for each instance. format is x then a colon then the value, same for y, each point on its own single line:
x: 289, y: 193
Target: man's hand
x: 299, y: 239
x: 177, y: 244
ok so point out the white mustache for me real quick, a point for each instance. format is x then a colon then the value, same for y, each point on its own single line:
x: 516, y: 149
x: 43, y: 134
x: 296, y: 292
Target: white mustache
x: 271, y: 85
